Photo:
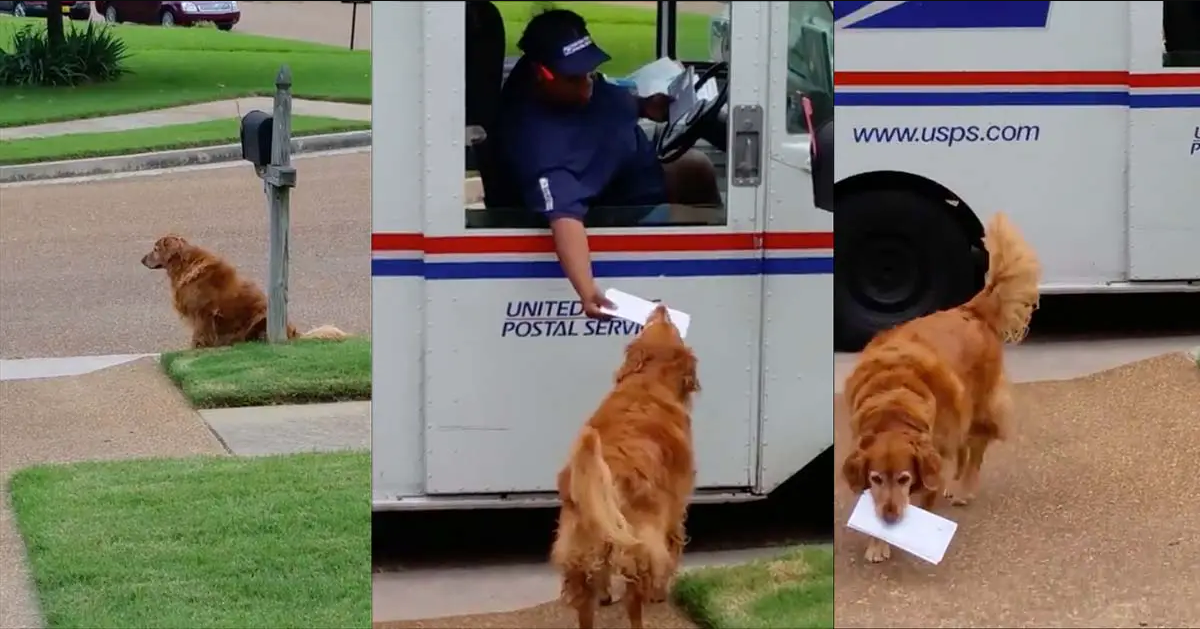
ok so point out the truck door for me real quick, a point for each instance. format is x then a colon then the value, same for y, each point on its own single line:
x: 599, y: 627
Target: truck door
x: 1164, y: 140
x: 512, y: 368
x: 798, y: 386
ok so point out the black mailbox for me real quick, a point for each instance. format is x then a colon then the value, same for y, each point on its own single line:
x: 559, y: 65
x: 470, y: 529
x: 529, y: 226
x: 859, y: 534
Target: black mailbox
x: 257, y: 128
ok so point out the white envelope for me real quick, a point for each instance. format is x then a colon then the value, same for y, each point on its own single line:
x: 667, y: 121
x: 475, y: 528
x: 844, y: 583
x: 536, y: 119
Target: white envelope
x: 638, y: 310
x: 924, y: 534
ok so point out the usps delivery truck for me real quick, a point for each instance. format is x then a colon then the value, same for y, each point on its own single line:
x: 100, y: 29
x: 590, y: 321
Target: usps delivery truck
x: 484, y: 366
x: 1081, y: 120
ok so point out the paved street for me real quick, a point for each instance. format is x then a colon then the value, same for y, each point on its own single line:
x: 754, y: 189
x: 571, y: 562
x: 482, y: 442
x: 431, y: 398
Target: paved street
x: 329, y: 22
x: 321, y: 22
x: 71, y: 282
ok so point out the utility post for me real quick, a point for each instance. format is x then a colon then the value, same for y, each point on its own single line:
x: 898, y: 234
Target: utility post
x: 267, y: 143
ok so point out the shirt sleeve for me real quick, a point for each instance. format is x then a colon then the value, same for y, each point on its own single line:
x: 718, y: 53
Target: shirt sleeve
x: 555, y: 193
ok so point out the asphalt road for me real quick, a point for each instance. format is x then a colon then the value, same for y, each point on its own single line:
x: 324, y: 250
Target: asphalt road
x: 330, y: 22
x: 70, y: 279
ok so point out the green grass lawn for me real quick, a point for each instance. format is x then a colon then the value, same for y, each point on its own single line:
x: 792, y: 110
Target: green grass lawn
x: 627, y: 34
x: 792, y: 591
x: 279, y: 541
x: 180, y: 66
x: 261, y: 374
x: 170, y: 137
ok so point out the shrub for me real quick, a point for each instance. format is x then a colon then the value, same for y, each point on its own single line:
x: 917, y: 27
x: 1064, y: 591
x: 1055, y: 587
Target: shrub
x: 91, y: 54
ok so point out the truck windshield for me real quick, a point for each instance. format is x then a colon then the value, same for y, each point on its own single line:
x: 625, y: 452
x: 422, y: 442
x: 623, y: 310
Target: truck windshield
x: 810, y: 62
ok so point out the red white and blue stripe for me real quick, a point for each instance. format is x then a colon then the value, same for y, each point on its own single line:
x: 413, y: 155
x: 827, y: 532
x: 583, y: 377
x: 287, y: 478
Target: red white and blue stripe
x: 1032, y: 88
x: 613, y: 255
x: 944, y: 14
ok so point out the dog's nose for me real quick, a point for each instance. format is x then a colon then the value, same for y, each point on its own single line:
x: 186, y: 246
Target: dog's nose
x: 891, y: 515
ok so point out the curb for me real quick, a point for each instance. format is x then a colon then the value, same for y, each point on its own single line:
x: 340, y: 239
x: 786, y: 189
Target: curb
x: 170, y: 159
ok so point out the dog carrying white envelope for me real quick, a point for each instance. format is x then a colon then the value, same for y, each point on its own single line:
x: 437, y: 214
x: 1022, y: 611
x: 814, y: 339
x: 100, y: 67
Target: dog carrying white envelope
x: 924, y: 534
x: 638, y: 310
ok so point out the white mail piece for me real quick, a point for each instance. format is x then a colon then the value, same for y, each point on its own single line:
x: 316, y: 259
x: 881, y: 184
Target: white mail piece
x: 638, y: 310
x: 921, y: 533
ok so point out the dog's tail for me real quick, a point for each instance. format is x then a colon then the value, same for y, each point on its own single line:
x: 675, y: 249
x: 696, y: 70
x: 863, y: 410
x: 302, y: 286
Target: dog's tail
x: 325, y: 332
x: 592, y: 488
x: 1010, y: 289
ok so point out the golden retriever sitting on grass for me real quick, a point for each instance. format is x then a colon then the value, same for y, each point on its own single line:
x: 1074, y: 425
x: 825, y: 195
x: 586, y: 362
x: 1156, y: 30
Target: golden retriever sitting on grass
x: 220, y: 307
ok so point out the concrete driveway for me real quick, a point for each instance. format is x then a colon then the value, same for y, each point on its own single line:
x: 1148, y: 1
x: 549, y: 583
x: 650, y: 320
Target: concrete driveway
x: 1059, y: 359
x: 330, y: 22
x: 1086, y: 517
x: 320, y: 22
x: 70, y: 279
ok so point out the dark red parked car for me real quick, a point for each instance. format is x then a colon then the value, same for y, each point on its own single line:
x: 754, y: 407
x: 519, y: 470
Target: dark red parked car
x: 223, y: 13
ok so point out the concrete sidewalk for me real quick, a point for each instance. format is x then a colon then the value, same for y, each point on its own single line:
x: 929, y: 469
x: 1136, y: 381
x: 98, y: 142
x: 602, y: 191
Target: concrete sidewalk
x: 265, y: 430
x: 200, y: 112
x: 133, y: 411
x: 118, y: 413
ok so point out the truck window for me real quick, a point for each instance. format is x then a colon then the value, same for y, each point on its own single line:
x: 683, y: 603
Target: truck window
x: 810, y: 63
x: 1181, y: 34
x: 498, y: 193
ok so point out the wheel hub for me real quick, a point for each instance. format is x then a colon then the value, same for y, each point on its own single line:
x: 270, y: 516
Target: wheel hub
x: 887, y: 273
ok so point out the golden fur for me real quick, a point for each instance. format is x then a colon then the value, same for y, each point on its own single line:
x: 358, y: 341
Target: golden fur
x: 220, y: 307
x: 628, y: 480
x: 933, y: 389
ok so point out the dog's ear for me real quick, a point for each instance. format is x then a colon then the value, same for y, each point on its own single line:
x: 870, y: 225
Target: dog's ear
x: 854, y: 470
x: 687, y: 364
x: 636, y: 357
x: 928, y: 463
x: 171, y: 246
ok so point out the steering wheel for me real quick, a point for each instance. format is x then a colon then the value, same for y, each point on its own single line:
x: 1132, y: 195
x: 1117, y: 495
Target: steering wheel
x: 677, y: 137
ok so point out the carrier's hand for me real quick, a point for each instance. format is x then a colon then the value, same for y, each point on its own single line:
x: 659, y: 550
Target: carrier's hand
x: 656, y: 107
x: 593, y: 300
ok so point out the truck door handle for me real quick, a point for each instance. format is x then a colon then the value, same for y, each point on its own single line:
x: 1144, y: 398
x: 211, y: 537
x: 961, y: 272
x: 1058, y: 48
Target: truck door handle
x: 747, y: 123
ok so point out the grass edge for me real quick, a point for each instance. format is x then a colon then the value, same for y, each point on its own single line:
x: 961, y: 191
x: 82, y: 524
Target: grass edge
x: 351, y: 126
x: 235, y: 399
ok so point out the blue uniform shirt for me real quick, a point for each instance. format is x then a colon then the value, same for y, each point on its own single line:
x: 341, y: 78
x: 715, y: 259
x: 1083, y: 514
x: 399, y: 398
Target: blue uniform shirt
x: 565, y: 162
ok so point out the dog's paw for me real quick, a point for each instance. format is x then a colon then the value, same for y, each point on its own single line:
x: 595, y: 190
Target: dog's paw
x: 959, y: 499
x: 958, y: 496
x: 878, y: 552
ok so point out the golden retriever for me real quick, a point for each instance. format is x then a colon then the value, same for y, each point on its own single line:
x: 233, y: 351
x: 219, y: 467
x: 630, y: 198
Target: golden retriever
x: 220, y: 307
x: 933, y: 389
x: 628, y: 480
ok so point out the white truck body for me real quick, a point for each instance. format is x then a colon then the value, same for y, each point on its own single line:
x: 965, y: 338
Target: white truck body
x: 1061, y: 114
x: 484, y: 369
